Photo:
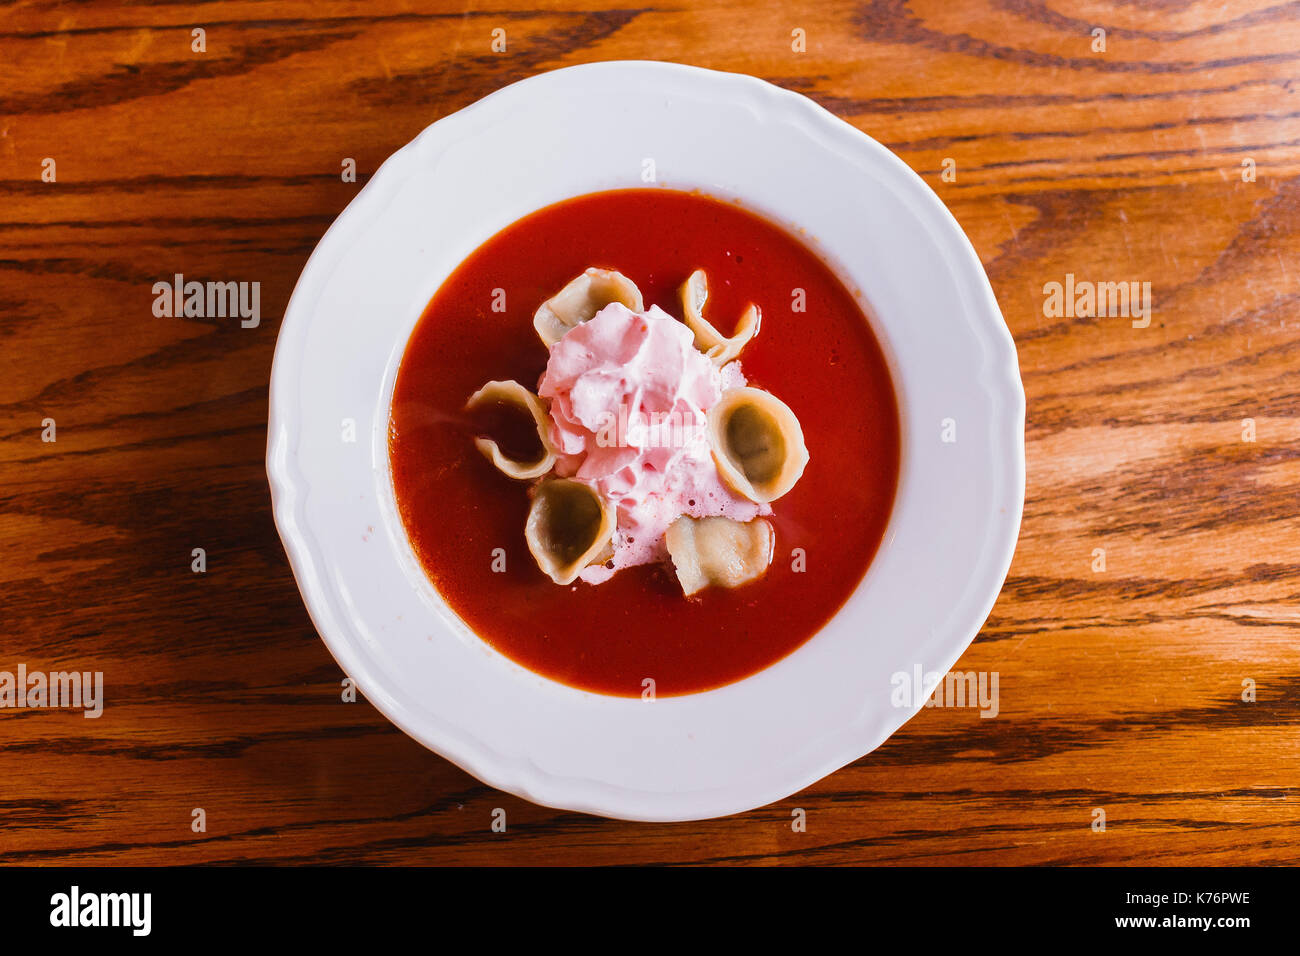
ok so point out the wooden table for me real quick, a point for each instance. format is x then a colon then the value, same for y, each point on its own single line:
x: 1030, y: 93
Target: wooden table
x: 1171, y: 157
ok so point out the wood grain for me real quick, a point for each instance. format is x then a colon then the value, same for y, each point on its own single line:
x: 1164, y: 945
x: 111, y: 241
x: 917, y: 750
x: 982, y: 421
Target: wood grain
x: 1120, y: 689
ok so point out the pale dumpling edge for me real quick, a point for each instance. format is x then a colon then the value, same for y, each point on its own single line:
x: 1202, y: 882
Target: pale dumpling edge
x: 720, y: 349
x: 796, y: 451
x: 513, y: 393
x: 718, y: 551
x: 602, y: 537
x: 581, y: 298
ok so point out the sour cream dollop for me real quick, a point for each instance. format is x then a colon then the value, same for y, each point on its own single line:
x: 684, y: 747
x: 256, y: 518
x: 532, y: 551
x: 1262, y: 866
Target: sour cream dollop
x: 630, y: 395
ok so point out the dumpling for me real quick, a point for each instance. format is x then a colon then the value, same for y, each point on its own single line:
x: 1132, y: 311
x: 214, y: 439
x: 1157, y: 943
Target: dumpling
x: 511, y: 392
x: 569, y: 527
x: 721, y: 350
x: 581, y: 299
x: 719, y: 551
x: 757, y: 443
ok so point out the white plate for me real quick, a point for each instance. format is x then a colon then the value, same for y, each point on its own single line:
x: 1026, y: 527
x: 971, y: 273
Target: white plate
x: 579, y: 130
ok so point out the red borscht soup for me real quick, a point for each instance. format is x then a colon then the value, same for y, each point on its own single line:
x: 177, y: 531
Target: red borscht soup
x: 814, y: 355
